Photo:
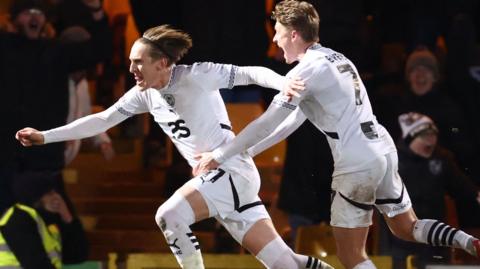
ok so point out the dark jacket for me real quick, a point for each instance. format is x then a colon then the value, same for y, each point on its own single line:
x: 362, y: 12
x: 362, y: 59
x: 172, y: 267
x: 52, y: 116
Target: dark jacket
x: 427, y: 182
x: 34, y: 90
x: 454, y: 132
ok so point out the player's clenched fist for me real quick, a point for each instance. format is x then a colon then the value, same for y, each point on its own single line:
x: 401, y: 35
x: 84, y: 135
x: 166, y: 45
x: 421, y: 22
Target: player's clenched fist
x: 29, y: 136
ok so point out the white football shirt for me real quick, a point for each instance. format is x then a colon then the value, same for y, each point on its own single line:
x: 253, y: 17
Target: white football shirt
x: 335, y: 101
x: 190, y: 109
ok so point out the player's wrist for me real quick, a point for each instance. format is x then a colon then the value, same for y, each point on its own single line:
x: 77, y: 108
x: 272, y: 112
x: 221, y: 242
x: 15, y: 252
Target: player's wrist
x: 218, y: 156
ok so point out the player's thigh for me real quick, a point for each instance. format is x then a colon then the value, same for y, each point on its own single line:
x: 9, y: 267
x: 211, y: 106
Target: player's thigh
x: 353, y: 196
x: 196, y: 201
x: 348, y: 239
x: 225, y: 192
x: 392, y: 197
x: 252, y: 228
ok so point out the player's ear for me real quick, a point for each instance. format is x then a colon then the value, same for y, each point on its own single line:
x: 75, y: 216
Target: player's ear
x: 293, y: 35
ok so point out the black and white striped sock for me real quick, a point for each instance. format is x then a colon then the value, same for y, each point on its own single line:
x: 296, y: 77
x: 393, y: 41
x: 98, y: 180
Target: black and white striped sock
x: 194, y: 240
x: 314, y: 263
x: 436, y: 233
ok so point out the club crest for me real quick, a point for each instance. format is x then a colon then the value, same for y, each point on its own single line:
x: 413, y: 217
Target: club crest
x: 169, y: 99
x: 435, y: 166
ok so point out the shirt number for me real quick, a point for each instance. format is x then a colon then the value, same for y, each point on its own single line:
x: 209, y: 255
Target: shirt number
x: 178, y: 126
x: 356, y: 81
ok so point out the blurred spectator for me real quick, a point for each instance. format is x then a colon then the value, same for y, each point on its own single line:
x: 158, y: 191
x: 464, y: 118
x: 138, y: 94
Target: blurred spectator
x: 34, y: 73
x: 40, y: 231
x: 429, y: 172
x: 423, y: 94
x: 80, y: 101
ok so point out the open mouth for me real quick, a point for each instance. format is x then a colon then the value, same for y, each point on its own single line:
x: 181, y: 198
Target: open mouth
x: 34, y: 26
x: 428, y: 148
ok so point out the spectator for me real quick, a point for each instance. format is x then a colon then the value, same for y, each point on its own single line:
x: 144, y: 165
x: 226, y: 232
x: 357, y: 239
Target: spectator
x: 41, y: 231
x: 429, y: 172
x: 80, y: 101
x: 424, y: 95
x: 34, y: 79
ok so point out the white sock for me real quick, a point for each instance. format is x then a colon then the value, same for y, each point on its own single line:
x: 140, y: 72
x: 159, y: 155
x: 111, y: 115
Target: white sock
x: 366, y: 264
x: 193, y: 262
x: 277, y: 255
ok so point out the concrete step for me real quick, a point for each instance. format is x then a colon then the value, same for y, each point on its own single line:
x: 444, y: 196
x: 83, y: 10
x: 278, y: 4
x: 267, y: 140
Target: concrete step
x: 137, y: 241
x: 106, y: 206
x: 120, y: 189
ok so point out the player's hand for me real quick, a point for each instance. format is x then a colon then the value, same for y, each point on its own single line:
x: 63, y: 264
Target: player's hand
x: 206, y: 162
x: 29, y: 136
x: 293, y: 87
x: 107, y: 150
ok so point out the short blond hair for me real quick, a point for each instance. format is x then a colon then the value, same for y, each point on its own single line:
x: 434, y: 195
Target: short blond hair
x: 165, y: 41
x: 300, y: 16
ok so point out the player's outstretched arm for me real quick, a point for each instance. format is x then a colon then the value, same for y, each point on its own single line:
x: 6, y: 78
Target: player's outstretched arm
x: 29, y: 137
x: 267, y: 78
x: 81, y: 128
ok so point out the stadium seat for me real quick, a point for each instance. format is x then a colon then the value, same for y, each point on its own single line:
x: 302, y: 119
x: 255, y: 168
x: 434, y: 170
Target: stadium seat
x: 211, y: 261
x: 381, y: 262
x: 316, y: 240
x: 241, y: 114
x: 269, y: 162
x: 84, y: 265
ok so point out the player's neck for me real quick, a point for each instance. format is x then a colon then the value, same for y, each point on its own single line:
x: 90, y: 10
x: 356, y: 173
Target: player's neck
x: 164, y: 78
x: 302, y: 49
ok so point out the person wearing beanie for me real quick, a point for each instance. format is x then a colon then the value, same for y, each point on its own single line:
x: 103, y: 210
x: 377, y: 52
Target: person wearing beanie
x: 430, y: 172
x: 365, y: 174
x: 424, y: 93
x: 422, y: 70
x: 34, y: 73
x: 419, y: 133
x: 28, y: 18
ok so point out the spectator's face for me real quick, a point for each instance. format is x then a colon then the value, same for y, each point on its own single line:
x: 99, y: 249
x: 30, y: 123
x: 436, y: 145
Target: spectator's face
x: 30, y: 23
x: 283, y: 38
x: 424, y: 144
x: 148, y: 72
x: 421, y: 80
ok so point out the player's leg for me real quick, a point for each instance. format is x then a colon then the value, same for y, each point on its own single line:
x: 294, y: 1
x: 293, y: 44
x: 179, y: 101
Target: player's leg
x: 353, y: 201
x: 350, y: 243
x: 263, y: 241
x: 174, y: 217
x: 407, y: 227
x: 403, y: 222
x: 233, y: 200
